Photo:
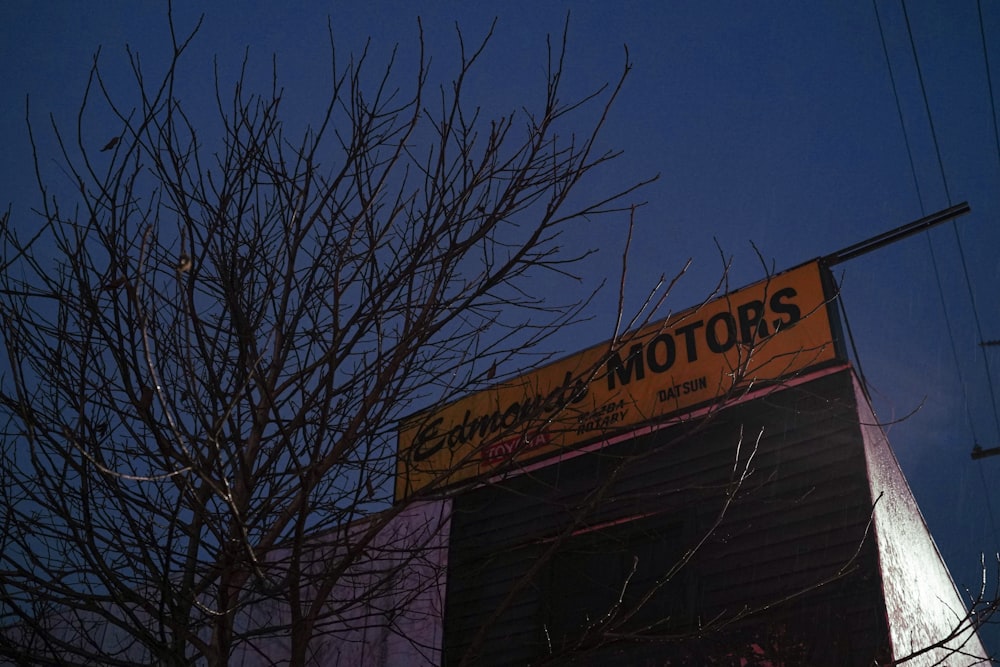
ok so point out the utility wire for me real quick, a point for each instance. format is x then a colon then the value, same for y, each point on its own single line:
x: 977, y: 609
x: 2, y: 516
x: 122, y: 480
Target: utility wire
x: 958, y: 240
x: 927, y: 106
x: 996, y: 141
x: 916, y: 186
x: 954, y: 226
x: 989, y: 79
x: 899, y: 110
x: 937, y: 276
x: 965, y: 268
x: 920, y: 200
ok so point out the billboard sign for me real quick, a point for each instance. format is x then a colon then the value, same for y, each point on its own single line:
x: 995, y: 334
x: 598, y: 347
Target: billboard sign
x: 767, y: 331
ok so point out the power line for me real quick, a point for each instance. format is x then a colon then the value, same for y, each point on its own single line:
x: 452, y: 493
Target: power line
x: 978, y: 452
x: 899, y: 110
x: 965, y: 273
x: 927, y: 106
x: 916, y: 181
x: 989, y: 79
x: 958, y: 239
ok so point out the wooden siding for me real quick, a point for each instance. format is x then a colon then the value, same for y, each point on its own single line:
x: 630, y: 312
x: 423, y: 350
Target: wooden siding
x: 797, y: 521
x: 924, y: 607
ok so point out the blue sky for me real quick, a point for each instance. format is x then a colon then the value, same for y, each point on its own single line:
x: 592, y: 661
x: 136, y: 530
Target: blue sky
x: 768, y: 122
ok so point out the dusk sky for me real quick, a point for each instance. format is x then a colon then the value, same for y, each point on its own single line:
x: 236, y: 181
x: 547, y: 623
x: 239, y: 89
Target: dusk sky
x: 771, y: 125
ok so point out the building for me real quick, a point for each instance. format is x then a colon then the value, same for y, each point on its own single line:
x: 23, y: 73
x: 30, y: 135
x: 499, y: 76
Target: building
x: 715, y: 490
x: 712, y: 489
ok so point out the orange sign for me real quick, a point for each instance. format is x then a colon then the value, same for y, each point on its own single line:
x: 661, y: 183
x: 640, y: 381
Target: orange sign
x: 767, y: 331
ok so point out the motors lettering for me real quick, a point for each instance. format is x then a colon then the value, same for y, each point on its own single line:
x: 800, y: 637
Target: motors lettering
x: 719, y: 334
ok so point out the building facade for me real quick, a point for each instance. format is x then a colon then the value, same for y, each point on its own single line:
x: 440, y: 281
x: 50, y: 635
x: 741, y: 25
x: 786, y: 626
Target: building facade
x: 712, y: 489
x: 777, y: 531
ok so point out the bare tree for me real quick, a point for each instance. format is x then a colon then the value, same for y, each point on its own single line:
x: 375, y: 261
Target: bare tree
x: 209, y: 343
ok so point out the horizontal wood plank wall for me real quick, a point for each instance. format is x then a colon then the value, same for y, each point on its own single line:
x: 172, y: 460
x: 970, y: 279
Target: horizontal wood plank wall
x: 796, y: 521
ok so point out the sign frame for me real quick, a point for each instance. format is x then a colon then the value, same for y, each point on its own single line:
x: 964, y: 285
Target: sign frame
x: 771, y: 330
